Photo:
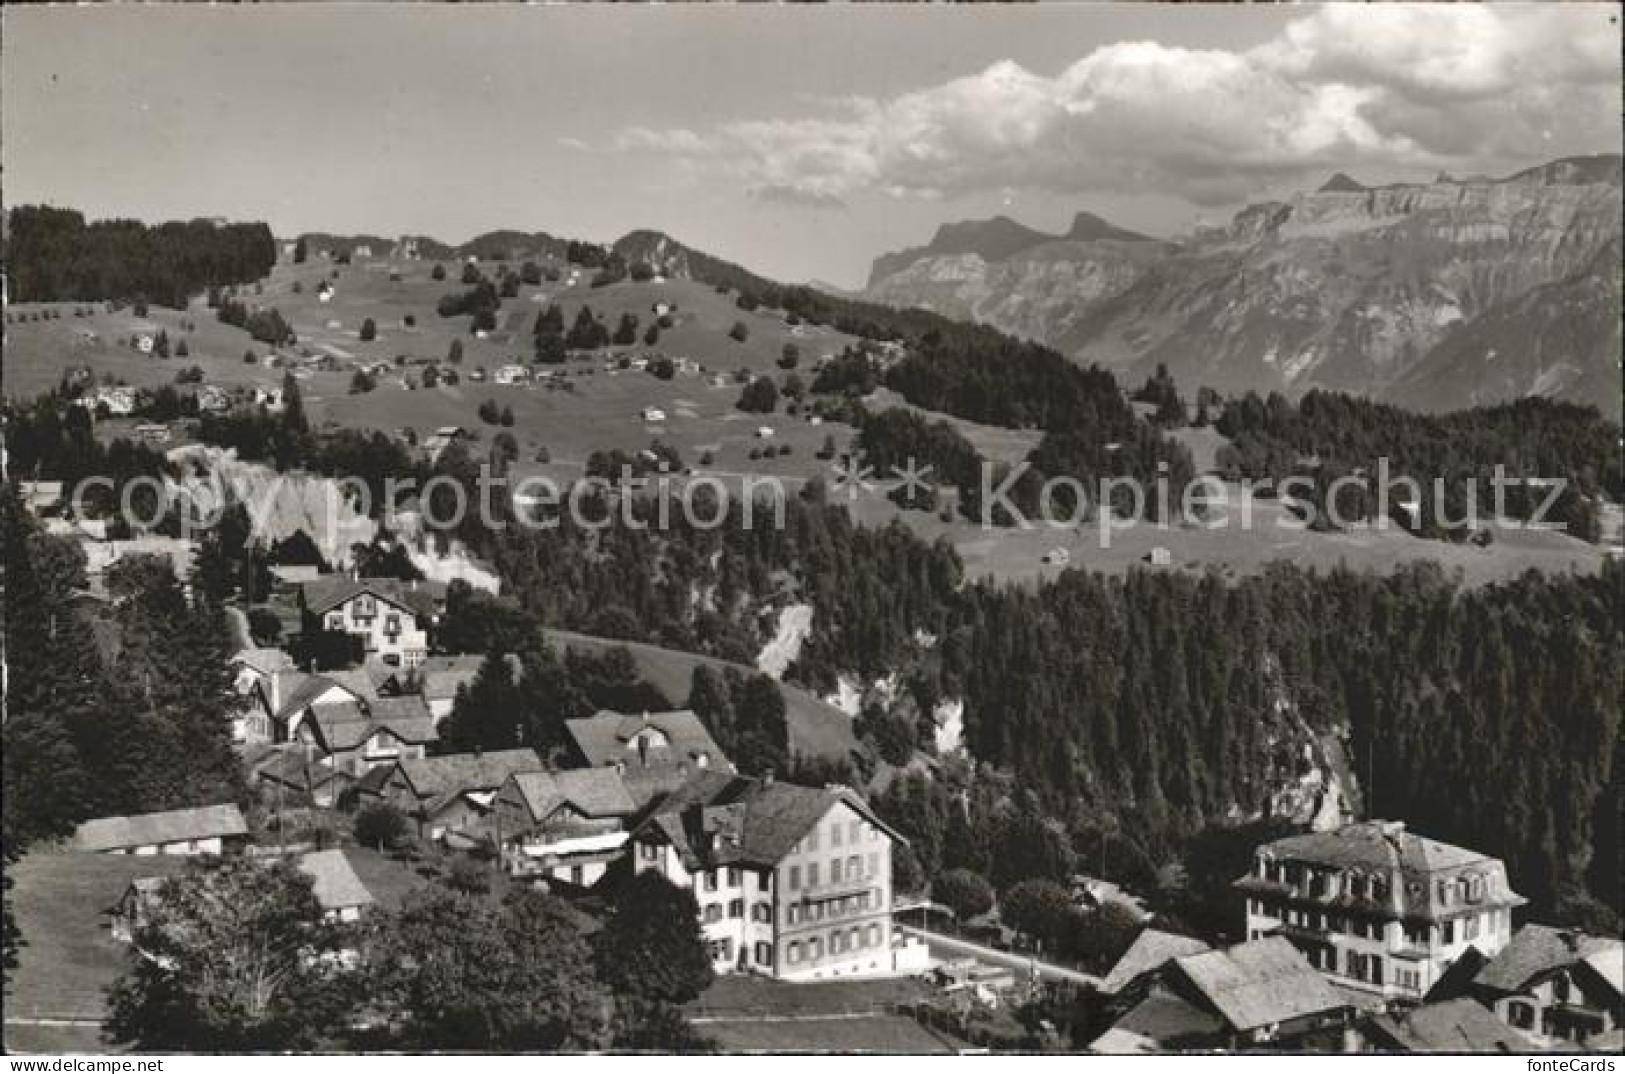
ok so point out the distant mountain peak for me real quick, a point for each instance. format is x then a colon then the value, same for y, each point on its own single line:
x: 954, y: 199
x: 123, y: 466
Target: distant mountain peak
x: 1087, y: 227
x: 1342, y: 183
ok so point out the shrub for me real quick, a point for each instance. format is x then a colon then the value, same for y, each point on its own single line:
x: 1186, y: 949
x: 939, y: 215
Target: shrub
x: 381, y: 825
x: 739, y: 333
x: 369, y: 330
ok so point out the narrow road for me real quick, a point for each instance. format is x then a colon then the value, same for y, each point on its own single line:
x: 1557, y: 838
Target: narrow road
x: 993, y: 956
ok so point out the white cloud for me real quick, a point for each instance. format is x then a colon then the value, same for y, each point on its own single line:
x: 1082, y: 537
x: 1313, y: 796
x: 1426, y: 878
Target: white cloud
x: 1467, y: 87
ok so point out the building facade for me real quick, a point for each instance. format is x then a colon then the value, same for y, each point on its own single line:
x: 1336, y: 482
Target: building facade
x: 1377, y: 908
x: 792, y: 882
x: 392, y: 618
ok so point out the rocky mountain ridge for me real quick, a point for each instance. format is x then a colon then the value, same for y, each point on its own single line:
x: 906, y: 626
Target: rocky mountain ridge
x: 1382, y: 291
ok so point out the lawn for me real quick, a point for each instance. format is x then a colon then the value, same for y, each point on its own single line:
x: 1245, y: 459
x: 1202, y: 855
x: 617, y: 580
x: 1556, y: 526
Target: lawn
x: 816, y: 729
x: 69, y: 957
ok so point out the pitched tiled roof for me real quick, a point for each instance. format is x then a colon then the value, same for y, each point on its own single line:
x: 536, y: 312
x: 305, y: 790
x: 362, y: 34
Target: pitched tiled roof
x: 264, y: 660
x: 1457, y: 1025
x: 171, y: 826
x: 718, y: 818
x: 595, y: 792
x: 1538, y: 949
x: 1259, y: 983
x: 347, y: 727
x: 337, y: 887
x: 440, y: 676
x: 454, y: 773
x: 292, y: 768
x: 610, y: 737
x: 334, y: 590
x: 1375, y: 844
x: 1151, y: 950
x: 1160, y: 1021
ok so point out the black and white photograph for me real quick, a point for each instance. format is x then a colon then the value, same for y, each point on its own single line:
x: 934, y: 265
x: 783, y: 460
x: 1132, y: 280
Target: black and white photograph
x: 835, y: 530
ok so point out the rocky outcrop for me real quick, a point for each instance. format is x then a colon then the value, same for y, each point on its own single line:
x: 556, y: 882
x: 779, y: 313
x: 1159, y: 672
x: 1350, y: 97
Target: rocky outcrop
x: 1371, y: 290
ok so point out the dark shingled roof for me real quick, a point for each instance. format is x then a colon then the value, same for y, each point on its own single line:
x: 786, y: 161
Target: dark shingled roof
x: 1539, y: 949
x: 1457, y: 1025
x: 607, y: 737
x: 456, y: 773
x: 1260, y: 983
x: 336, y: 887
x: 332, y: 591
x: 1160, y: 1021
x: 170, y: 826
x: 1151, y: 950
x: 594, y: 792
x: 718, y: 818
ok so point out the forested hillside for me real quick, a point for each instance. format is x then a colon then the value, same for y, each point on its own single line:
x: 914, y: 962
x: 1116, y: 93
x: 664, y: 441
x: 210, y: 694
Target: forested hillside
x: 53, y: 255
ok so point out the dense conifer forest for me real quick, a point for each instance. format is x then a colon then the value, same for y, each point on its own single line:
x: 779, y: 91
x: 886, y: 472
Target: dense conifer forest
x: 53, y: 255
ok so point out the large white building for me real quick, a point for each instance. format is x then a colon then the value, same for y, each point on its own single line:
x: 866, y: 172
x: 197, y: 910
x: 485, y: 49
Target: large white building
x: 1378, y: 908
x: 391, y: 617
x: 792, y: 882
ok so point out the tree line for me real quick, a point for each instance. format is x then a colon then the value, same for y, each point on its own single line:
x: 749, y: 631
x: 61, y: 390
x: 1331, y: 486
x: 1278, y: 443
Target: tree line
x: 54, y: 255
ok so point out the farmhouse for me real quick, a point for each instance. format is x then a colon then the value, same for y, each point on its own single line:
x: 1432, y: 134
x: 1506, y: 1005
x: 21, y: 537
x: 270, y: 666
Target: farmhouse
x: 1256, y: 993
x: 563, y: 827
x: 653, y: 414
x: 1378, y: 908
x: 1456, y: 1025
x: 510, y: 374
x: 254, y: 669
x: 452, y: 790
x: 793, y: 882
x: 1558, y: 986
x: 357, y: 738
x: 654, y: 752
x: 391, y: 617
x: 215, y: 829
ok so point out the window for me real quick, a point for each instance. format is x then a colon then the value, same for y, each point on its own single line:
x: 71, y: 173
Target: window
x: 335, y: 621
x: 711, y: 880
x: 392, y: 625
x: 837, y: 943
x: 736, y: 908
x: 761, y: 912
x: 713, y: 913
x: 854, y: 867
x: 835, y: 870
x: 812, y: 839
x: 733, y: 878
x: 1521, y: 1015
x: 874, y: 863
x: 1560, y: 988
x: 854, y: 832
x: 874, y: 936
x: 815, y: 949
x: 577, y: 875
x: 794, y: 914
x: 649, y: 851
x: 1447, y: 932
x: 793, y: 953
x: 795, y: 877
x: 854, y: 938
x: 764, y: 955
x: 812, y: 874
x: 764, y: 881
x: 835, y: 834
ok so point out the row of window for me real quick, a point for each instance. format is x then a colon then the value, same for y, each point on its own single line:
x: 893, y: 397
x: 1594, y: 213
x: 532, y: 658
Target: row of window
x: 846, y: 905
x: 849, y: 870
x: 716, y: 878
x: 1465, y: 928
x: 761, y: 912
x: 722, y: 950
x: 836, y: 832
x: 841, y: 941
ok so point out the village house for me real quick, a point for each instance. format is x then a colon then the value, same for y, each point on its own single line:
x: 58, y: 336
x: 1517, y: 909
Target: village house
x: 653, y: 415
x: 563, y: 827
x: 1151, y: 950
x: 253, y: 669
x: 215, y: 829
x: 653, y: 752
x: 510, y: 374
x: 792, y: 882
x: 119, y: 400
x: 1557, y: 986
x: 1455, y: 1025
x: 1256, y: 994
x: 1379, y: 908
x: 357, y: 738
x: 213, y: 398
x: 446, y: 435
x: 448, y: 792
x: 391, y: 617
x: 339, y: 891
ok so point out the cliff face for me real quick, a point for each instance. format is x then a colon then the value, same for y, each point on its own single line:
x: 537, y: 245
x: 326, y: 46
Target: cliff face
x: 1367, y: 290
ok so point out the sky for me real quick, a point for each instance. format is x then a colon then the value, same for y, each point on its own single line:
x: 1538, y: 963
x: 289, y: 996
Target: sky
x: 799, y: 141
